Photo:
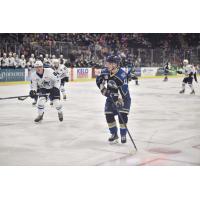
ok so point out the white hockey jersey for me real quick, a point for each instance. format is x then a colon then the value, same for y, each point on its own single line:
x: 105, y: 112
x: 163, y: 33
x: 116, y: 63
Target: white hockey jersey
x: 62, y: 71
x: 188, y: 69
x: 11, y: 62
x: 4, y: 62
x: 17, y: 62
x: 47, y: 61
x: 47, y: 81
x: 22, y: 63
x: 31, y: 61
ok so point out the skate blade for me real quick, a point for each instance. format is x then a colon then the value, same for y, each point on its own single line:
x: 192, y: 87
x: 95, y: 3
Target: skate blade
x: 114, y: 142
x: 38, y: 122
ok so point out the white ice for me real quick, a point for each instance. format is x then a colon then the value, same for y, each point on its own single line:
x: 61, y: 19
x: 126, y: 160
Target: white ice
x: 165, y: 126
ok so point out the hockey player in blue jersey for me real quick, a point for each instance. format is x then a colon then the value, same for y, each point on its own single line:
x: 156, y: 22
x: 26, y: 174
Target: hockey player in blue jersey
x: 131, y: 71
x: 112, y: 83
x: 166, y: 71
x: 132, y: 76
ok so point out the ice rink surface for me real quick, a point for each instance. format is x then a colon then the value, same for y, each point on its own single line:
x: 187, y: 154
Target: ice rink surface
x: 164, y: 124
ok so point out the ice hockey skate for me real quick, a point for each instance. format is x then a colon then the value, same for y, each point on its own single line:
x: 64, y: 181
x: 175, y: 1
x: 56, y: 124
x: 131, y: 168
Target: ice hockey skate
x: 182, y: 91
x: 39, y: 118
x: 165, y: 79
x: 64, y: 97
x: 192, y: 92
x: 114, y: 138
x: 123, y: 139
x: 60, y: 116
x: 34, y: 103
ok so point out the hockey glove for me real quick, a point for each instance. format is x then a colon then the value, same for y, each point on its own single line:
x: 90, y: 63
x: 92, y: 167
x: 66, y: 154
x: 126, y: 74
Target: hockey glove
x: 119, y: 103
x: 105, y: 92
x: 32, y: 94
x: 179, y: 71
x: 66, y: 79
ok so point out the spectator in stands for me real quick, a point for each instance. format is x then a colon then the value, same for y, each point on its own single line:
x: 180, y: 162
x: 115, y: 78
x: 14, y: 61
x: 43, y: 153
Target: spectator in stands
x: 4, y: 61
x: 22, y: 63
x: 47, y: 61
x: 17, y: 60
x: 11, y: 61
x: 31, y: 61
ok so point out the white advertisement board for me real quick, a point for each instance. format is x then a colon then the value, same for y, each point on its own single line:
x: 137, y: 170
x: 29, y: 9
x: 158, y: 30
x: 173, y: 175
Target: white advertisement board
x: 80, y: 73
x: 148, y: 71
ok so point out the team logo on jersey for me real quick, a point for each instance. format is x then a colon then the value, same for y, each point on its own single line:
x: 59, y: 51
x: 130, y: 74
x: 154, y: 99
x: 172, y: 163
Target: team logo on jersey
x: 123, y: 75
x: 46, y: 83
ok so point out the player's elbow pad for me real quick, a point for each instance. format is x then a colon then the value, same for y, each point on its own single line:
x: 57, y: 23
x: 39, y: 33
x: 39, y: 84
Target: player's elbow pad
x: 98, y: 81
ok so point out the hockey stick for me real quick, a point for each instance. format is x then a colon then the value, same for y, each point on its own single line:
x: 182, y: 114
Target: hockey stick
x: 120, y: 116
x: 22, y: 98
x: 16, y: 97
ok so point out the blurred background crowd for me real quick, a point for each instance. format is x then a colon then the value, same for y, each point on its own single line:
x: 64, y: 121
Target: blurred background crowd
x: 91, y: 49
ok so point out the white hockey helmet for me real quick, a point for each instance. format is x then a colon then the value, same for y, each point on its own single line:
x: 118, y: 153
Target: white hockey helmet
x: 38, y: 63
x: 53, y: 56
x: 56, y: 63
x: 32, y: 55
x: 10, y: 54
x: 46, y: 55
x: 22, y: 56
x: 61, y: 56
x: 185, y: 61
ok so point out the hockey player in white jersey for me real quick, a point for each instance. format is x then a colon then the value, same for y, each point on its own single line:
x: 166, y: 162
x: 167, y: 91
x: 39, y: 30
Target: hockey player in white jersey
x: 46, y: 83
x: 47, y: 61
x: 41, y: 58
x: 32, y: 61
x: 190, y: 73
x: 16, y: 60
x: 4, y: 61
x: 22, y: 62
x: 11, y: 61
x: 62, y: 73
x: 62, y: 61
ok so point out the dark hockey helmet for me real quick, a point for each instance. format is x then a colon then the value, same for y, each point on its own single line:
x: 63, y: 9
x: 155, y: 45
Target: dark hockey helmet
x: 113, y: 59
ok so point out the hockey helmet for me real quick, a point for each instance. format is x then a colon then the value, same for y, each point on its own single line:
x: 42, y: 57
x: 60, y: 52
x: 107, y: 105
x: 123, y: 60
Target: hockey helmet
x: 38, y: 63
x: 113, y: 59
x: 185, y: 61
x: 56, y: 63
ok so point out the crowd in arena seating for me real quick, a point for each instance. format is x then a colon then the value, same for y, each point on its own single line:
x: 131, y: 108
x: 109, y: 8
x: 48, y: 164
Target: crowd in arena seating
x: 13, y: 61
x: 89, y: 49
